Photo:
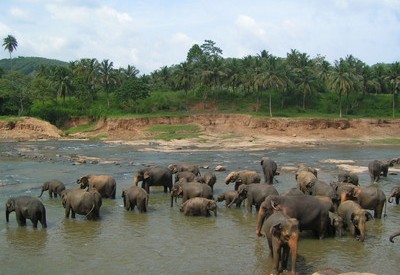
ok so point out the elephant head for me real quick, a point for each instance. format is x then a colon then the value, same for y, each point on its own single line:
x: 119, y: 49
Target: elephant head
x: 176, y: 192
x: 266, y: 209
x: 83, y: 181
x: 358, y: 219
x: 10, y: 207
x: 232, y: 177
x: 138, y: 177
x: 394, y: 193
x: 286, y: 230
x: 45, y: 187
x: 173, y: 168
x: 212, y: 206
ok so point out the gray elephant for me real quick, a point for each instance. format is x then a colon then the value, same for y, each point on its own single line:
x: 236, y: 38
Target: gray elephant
x: 242, y: 177
x: 55, y: 187
x: 199, y: 207
x: 81, y: 202
x: 306, y: 209
x: 394, y: 235
x: 348, y: 177
x: 230, y: 198
x: 306, y: 181
x: 335, y: 226
x: 368, y: 197
x: 255, y: 194
x: 208, y: 178
x: 305, y: 167
x: 326, y: 202
x: 269, y: 168
x: 154, y: 176
x: 394, y: 193
x: 354, y: 218
x: 135, y: 196
x: 282, y: 233
x: 26, y: 207
x: 175, y: 168
x: 184, y: 176
x: 190, y: 190
x: 377, y: 168
x: 104, y: 184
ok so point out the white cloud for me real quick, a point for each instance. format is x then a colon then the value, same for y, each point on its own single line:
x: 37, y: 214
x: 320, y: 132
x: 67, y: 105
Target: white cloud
x: 249, y: 25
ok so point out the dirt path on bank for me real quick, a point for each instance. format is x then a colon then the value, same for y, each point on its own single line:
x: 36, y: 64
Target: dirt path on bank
x: 218, y: 132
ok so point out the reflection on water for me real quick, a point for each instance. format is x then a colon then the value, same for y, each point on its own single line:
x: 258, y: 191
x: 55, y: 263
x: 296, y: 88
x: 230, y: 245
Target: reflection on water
x: 163, y: 241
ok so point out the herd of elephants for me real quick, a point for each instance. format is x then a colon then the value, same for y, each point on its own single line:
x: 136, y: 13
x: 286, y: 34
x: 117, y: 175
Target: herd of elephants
x: 324, y: 209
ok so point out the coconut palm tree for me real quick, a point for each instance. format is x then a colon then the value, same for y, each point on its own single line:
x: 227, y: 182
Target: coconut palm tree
x: 10, y: 44
x: 107, y: 77
x: 393, y: 76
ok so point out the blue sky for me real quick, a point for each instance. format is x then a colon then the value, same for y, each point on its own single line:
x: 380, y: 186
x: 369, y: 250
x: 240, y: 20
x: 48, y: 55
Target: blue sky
x: 150, y: 34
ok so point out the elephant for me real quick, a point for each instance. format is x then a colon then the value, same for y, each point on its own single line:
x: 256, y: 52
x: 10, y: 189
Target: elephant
x: 326, y: 202
x: 306, y: 209
x: 368, y: 197
x: 304, y: 167
x: 294, y: 192
x: 190, y: 190
x: 394, y: 193
x: 335, y: 226
x: 184, y: 167
x: 354, y: 218
x: 184, y: 176
x: 255, y: 194
x: 208, y: 178
x: 318, y: 188
x: 104, y: 184
x: 348, y: 177
x: 269, y: 168
x: 282, y: 233
x: 242, y: 177
x: 199, y: 207
x: 135, y: 196
x: 154, y: 176
x: 305, y: 181
x: 377, y: 168
x: 230, y: 197
x: 394, y: 235
x: 26, y: 207
x: 54, y: 187
x: 82, y: 202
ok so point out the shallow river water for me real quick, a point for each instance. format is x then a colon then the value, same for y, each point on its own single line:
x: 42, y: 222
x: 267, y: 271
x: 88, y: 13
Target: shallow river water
x: 163, y: 241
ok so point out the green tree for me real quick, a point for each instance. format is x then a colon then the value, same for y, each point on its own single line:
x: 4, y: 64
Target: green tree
x: 15, y: 96
x: 183, y: 76
x: 10, y: 44
x: 107, y: 77
x: 61, y: 79
x: 195, y: 54
x: 393, y: 76
x: 130, y: 91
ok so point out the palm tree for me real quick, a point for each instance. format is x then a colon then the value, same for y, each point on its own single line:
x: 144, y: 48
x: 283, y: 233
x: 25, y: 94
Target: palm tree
x: 61, y: 79
x: 10, y: 44
x: 341, y: 80
x: 183, y: 76
x: 107, y: 77
x: 393, y: 76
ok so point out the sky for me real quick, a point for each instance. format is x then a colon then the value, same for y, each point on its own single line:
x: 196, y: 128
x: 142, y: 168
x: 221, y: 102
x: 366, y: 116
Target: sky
x: 150, y: 34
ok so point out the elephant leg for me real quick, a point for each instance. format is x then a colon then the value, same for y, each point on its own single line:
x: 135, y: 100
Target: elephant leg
x: 276, y: 255
x: 165, y: 189
x: 293, y: 241
x: 20, y: 219
x: 50, y: 193
x: 284, y: 257
x: 72, y: 213
x: 397, y: 200
x: 34, y: 222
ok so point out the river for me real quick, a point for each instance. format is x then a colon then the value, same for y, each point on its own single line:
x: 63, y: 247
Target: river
x: 163, y: 241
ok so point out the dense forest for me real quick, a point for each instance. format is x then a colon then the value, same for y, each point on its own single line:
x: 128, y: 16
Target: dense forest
x: 260, y: 84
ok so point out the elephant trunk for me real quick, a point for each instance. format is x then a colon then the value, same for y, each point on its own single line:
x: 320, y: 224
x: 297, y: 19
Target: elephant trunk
x: 390, y: 199
x: 7, y: 215
x: 136, y: 180
x: 393, y: 236
x: 41, y: 193
x: 260, y: 221
x: 172, y: 199
x: 362, y: 232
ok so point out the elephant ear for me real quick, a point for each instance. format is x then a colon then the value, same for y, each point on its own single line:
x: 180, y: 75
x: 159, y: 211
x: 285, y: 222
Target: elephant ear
x: 146, y: 175
x: 276, y: 230
x: 356, y: 191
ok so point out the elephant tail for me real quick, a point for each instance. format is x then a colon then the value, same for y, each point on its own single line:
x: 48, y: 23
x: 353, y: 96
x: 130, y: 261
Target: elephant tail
x: 91, y: 210
x: 384, y: 212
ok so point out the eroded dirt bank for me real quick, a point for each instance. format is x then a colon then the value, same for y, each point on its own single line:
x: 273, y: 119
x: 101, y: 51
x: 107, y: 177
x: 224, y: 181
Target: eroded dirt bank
x: 218, y: 131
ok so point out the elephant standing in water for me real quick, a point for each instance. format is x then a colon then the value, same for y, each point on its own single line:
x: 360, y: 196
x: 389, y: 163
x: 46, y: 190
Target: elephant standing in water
x: 242, y: 177
x: 82, y: 202
x: 354, y: 218
x: 394, y: 193
x: 230, y: 197
x: 105, y: 185
x: 26, y: 207
x: 154, y: 176
x: 175, y: 168
x: 255, y: 194
x: 377, y: 168
x: 135, y: 196
x: 199, y: 207
x: 54, y: 187
x: 269, y: 169
x: 282, y: 233
x: 188, y: 190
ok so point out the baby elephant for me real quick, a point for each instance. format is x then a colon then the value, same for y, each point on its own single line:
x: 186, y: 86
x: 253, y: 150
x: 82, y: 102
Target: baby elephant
x: 394, y: 193
x: 335, y: 225
x: 54, y: 187
x: 135, y: 196
x: 199, y: 207
x: 230, y: 197
x: 26, y: 207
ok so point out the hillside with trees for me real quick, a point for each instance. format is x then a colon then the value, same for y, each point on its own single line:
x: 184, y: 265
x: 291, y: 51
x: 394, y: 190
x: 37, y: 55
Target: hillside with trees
x: 262, y: 85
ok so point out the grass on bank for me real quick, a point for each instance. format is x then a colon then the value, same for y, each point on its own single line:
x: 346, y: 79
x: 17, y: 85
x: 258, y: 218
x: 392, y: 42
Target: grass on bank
x: 81, y: 128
